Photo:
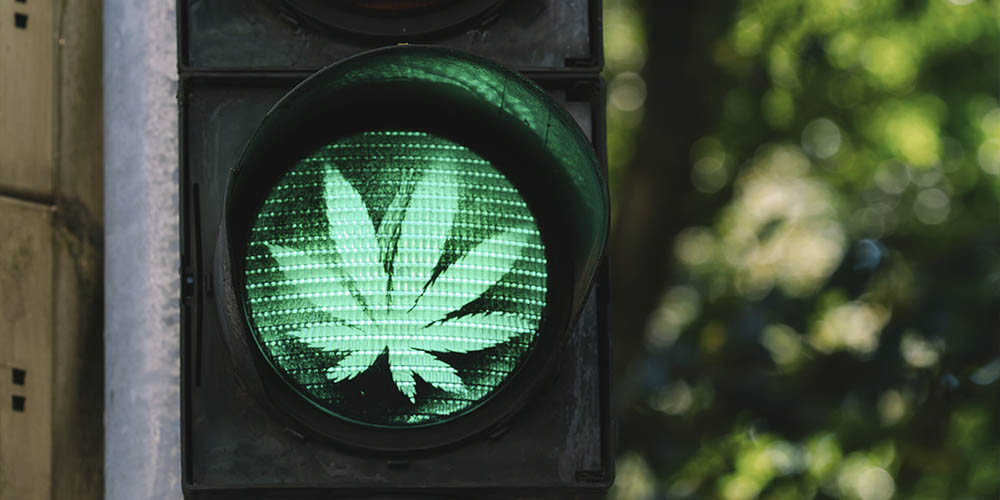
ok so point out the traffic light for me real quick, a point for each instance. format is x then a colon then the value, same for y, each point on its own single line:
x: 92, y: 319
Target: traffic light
x: 390, y: 261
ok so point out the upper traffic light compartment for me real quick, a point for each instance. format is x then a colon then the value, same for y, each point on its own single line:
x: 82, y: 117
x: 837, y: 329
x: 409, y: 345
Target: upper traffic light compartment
x: 395, y: 19
x: 306, y: 35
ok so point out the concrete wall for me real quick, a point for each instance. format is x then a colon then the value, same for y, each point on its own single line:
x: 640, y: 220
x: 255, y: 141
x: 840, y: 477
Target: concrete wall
x: 51, y: 356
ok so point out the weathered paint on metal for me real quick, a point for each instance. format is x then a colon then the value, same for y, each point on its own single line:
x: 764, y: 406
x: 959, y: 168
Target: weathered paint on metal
x: 142, y: 375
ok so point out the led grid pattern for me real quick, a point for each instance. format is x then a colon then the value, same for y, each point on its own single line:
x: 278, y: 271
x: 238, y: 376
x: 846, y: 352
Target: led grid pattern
x: 395, y: 278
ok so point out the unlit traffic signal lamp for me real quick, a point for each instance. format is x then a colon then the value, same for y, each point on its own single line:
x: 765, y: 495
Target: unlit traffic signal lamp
x: 391, y: 275
x: 394, y: 18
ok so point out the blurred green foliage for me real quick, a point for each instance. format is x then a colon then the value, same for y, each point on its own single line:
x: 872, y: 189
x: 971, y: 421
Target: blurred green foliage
x: 833, y: 330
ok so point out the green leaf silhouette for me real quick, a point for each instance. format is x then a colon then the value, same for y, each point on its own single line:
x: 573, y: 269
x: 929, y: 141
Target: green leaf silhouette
x: 385, y: 291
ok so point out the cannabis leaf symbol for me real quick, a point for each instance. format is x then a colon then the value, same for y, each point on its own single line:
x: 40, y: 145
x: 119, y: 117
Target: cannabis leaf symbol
x: 387, y: 292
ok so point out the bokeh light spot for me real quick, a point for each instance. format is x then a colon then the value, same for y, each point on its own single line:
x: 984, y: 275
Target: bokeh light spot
x: 991, y: 123
x: 843, y: 49
x: 892, y: 62
x: 675, y: 399
x: 875, y: 484
x: 910, y: 129
x: 989, y: 156
x: 868, y: 254
x: 918, y: 351
x: 695, y: 246
x: 932, y: 206
x: 891, y: 407
x: 624, y: 40
x: 709, y: 175
x: 853, y: 326
x: 823, y: 456
x: 748, y: 37
x: 821, y: 138
x: 628, y: 91
x: 783, y: 343
x: 635, y: 479
x: 892, y: 177
x: 987, y: 374
x: 678, y: 307
x: 778, y: 108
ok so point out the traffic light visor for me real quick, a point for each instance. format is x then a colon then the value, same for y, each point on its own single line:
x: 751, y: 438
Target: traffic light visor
x: 395, y: 19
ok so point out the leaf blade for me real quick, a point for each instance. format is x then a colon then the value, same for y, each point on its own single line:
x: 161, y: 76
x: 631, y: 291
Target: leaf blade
x: 476, y: 331
x: 423, y: 233
x: 308, y: 280
x: 477, y: 271
x: 351, y: 366
x: 353, y: 233
x: 404, y: 364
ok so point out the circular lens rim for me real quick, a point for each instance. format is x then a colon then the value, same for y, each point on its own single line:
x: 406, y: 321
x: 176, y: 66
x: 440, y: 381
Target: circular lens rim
x: 416, y: 25
x: 442, y: 420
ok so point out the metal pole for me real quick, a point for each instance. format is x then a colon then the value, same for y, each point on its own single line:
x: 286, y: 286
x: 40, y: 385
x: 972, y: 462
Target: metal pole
x: 142, y: 287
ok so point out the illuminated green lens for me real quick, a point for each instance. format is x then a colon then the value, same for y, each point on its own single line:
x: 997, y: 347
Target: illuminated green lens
x: 395, y: 278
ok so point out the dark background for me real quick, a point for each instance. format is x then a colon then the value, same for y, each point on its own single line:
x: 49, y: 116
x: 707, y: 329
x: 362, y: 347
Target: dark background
x: 806, y: 248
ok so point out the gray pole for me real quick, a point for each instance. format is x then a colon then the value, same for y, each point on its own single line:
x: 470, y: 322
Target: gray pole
x: 142, y: 287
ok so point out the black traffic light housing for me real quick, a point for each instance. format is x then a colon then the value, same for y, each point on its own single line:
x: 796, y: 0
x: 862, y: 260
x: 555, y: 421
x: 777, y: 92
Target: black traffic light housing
x: 535, y: 37
x: 235, y: 445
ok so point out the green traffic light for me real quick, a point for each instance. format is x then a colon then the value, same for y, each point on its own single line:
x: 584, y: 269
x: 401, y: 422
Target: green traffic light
x: 395, y: 278
x: 406, y: 243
